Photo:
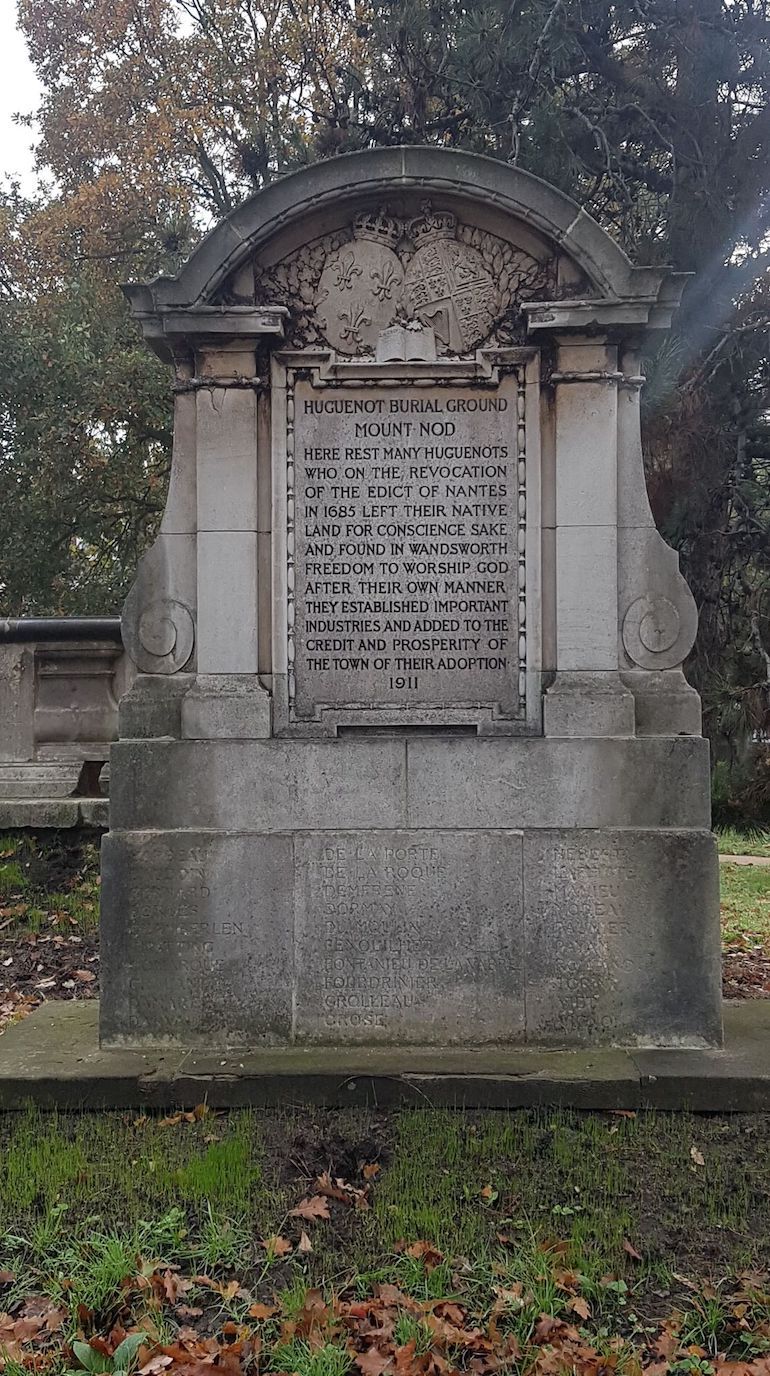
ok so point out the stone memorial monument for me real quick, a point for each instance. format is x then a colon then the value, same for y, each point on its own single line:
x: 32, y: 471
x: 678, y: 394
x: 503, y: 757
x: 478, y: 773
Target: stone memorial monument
x: 410, y: 757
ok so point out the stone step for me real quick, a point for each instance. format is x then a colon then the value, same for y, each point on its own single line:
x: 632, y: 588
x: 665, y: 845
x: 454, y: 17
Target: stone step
x: 39, y: 779
x: 53, y: 1059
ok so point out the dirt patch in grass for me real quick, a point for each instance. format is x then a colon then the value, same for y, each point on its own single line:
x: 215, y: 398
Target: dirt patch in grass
x: 49, y: 920
x: 745, y: 972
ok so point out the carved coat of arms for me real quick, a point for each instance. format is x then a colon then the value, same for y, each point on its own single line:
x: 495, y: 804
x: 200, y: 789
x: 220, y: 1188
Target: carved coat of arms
x: 349, y: 288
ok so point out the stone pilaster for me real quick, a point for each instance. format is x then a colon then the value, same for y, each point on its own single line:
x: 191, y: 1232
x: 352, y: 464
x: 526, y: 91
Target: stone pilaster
x: 191, y: 620
x: 587, y: 697
x: 227, y: 699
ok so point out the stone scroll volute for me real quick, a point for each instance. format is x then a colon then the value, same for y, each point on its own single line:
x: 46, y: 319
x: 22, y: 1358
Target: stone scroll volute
x: 657, y: 614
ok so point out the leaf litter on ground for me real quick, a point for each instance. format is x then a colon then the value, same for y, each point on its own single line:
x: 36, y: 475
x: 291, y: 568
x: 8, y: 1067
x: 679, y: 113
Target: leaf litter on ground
x: 387, y: 1331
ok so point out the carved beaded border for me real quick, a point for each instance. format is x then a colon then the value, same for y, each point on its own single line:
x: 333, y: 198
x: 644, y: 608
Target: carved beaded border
x: 521, y: 501
x: 521, y: 526
x: 291, y: 377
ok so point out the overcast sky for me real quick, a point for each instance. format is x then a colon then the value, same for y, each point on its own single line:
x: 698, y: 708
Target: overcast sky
x: 18, y: 94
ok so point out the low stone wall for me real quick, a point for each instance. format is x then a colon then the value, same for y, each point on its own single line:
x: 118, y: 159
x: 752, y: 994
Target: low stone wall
x: 60, y: 682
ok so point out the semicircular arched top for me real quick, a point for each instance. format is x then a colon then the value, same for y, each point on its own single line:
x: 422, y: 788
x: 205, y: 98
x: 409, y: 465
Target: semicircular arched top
x: 467, y: 176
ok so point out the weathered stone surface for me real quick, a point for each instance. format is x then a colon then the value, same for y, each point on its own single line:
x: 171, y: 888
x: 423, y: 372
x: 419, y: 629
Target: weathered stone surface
x: 409, y: 936
x: 202, y: 952
x: 57, y: 1062
x: 735, y: 1079
x: 152, y: 707
x: 664, y: 703
x: 226, y: 706
x: 392, y: 782
x: 52, y: 1059
x: 158, y: 620
x: 412, y: 937
x: 227, y: 602
x: 76, y: 691
x: 564, y: 783
x: 588, y: 704
x: 623, y: 940
x: 261, y: 786
x: 39, y: 779
x: 586, y: 598
x: 60, y: 813
x: 227, y: 473
x: 17, y: 702
x: 60, y: 679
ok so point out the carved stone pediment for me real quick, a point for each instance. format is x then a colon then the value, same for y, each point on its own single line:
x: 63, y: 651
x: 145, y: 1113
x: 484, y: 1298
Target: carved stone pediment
x: 462, y: 282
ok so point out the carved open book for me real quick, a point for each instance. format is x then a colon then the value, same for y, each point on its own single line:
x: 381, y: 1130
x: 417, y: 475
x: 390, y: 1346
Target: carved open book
x: 411, y: 343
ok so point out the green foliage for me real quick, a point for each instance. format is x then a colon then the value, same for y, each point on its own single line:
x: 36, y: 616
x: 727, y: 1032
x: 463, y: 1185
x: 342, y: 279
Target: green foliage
x: 87, y: 1201
x: 225, y: 1240
x: 123, y: 1359
x: 410, y: 1329
x: 84, y: 449
x: 743, y: 841
x: 298, y: 1356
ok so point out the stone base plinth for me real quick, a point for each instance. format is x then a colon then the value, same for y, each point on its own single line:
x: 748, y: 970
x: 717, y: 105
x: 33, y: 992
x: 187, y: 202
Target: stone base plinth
x: 53, y: 1059
x: 392, y: 891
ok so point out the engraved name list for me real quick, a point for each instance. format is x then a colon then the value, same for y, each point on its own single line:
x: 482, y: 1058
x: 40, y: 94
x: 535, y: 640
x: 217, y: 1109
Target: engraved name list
x: 410, y: 504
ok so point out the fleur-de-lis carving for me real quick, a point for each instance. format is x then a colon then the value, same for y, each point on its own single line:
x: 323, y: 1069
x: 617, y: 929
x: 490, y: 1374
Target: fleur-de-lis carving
x: 384, y: 282
x: 345, y: 269
x: 351, y: 320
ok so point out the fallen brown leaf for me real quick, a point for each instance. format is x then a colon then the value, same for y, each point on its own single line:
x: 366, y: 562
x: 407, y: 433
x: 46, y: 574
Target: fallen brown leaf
x: 262, y: 1311
x: 157, y: 1363
x: 373, y: 1362
x: 311, y: 1208
x: 277, y: 1246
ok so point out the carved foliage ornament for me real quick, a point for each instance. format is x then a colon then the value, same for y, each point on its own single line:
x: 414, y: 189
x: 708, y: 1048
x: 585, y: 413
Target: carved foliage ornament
x: 348, y: 287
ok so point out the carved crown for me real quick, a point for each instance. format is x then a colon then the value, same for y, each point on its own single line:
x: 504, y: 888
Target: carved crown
x: 379, y: 226
x: 431, y: 225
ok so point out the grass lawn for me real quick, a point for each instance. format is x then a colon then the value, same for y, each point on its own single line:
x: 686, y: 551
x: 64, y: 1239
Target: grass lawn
x: 452, y: 1236
x: 745, y: 903
x: 745, y: 893
x: 734, y: 842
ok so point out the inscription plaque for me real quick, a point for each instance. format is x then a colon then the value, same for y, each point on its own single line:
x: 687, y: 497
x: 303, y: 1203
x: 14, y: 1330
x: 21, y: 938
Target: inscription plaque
x: 406, y: 936
x: 407, y: 510
x: 605, y: 961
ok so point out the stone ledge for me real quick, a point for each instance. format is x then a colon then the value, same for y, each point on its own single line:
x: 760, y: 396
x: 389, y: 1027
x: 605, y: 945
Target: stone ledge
x: 40, y: 813
x: 52, y: 1059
